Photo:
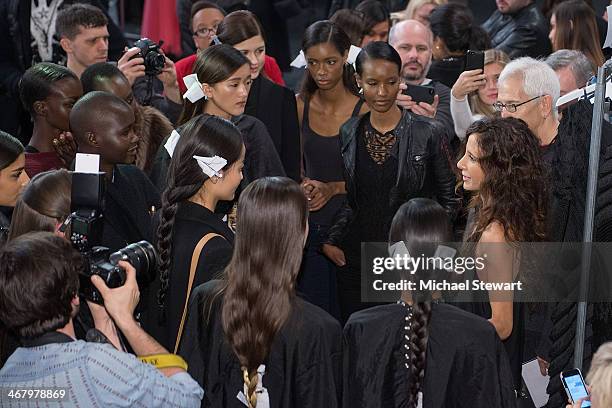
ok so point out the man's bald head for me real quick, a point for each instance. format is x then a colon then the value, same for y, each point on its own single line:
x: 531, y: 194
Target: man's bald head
x: 407, y: 29
x: 102, y: 123
x: 413, y: 42
x: 93, y: 112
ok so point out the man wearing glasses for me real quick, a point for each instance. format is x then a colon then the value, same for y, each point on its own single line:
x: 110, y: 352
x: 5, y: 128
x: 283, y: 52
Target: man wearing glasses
x: 528, y: 89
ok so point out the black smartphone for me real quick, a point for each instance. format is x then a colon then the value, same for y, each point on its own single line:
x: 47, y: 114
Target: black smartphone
x: 574, y: 386
x: 420, y: 93
x: 474, y: 60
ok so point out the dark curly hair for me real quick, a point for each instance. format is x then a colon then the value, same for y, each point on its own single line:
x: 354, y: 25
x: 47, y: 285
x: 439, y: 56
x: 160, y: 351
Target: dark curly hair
x: 513, y: 192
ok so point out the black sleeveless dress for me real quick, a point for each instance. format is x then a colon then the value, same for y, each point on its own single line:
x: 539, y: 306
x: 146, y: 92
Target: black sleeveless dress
x: 322, y: 162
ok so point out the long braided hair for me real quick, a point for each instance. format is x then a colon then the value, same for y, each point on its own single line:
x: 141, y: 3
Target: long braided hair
x: 259, y: 288
x: 421, y: 224
x: 204, y: 135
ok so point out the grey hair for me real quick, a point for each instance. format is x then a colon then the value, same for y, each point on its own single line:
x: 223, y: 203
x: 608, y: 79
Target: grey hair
x: 576, y: 61
x: 538, y: 78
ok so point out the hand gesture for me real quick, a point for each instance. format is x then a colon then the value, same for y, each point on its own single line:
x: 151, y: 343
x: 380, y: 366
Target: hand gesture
x: 120, y: 302
x: 418, y: 108
x: 335, y: 254
x: 65, y: 147
x: 132, y: 66
x: 317, y: 192
x: 468, y: 82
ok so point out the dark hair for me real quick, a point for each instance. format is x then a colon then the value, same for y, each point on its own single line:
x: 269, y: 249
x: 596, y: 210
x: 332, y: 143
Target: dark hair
x: 215, y: 64
x: 70, y: 19
x: 513, y: 191
x: 239, y: 26
x: 203, y: 5
x: 259, y: 288
x: 374, y: 12
x: 377, y: 50
x: 352, y: 23
x: 327, y: 32
x: 421, y: 224
x: 454, y: 24
x: 38, y: 280
x: 10, y: 149
x: 44, y: 202
x: 576, y: 29
x: 204, y: 135
x: 98, y: 72
x: 549, y: 5
x: 37, y: 82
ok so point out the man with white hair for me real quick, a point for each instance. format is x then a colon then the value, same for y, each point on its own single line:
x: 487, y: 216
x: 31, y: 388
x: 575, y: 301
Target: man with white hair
x: 528, y: 89
x: 414, y: 41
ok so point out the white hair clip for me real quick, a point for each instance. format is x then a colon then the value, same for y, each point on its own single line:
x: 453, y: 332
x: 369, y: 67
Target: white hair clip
x: 352, y: 55
x: 211, y: 165
x: 171, y: 142
x: 300, y: 60
x: 399, y: 248
x: 194, y: 88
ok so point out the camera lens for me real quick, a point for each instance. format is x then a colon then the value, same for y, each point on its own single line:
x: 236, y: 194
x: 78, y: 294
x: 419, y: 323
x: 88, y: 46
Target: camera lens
x: 142, y: 256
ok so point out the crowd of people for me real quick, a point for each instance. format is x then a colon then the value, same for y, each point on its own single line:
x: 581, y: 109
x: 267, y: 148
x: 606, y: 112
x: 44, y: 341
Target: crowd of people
x: 258, y: 198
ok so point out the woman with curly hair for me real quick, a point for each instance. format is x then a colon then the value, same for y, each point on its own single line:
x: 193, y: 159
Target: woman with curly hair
x: 503, y: 166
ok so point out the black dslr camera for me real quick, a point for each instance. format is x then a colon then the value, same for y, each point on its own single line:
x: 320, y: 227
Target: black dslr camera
x: 154, y: 60
x: 86, y: 227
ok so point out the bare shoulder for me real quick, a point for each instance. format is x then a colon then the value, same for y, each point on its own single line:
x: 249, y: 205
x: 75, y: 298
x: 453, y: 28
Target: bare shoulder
x: 493, y: 233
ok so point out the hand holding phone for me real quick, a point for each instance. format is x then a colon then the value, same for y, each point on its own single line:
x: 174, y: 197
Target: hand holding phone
x: 575, y: 386
x: 420, y: 93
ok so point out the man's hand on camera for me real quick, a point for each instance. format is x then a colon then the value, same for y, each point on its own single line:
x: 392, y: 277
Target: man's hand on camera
x: 168, y: 78
x: 132, y: 66
x: 120, y: 302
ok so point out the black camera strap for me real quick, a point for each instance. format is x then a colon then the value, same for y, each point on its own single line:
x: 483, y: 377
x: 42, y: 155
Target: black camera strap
x: 47, y: 338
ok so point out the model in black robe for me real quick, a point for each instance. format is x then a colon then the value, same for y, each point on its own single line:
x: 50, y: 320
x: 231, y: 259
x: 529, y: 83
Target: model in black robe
x: 191, y: 223
x: 466, y: 362
x: 275, y: 106
x: 302, y: 369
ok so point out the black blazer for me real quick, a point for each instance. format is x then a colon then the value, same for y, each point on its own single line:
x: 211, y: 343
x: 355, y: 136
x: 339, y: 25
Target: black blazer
x: 275, y: 106
x: 191, y: 223
x: 424, y: 168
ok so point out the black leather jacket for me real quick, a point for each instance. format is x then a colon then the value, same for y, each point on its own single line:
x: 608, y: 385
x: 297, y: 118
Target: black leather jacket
x: 523, y: 34
x: 424, y: 168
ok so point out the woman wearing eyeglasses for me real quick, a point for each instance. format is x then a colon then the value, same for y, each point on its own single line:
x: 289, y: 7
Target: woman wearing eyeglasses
x: 203, y: 24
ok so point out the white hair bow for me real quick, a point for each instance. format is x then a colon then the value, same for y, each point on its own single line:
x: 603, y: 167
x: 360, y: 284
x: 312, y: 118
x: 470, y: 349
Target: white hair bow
x: 211, y: 165
x: 171, y: 142
x: 300, y: 60
x: 194, y: 88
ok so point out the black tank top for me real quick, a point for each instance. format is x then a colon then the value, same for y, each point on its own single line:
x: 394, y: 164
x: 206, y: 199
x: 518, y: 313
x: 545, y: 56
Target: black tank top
x: 323, y: 162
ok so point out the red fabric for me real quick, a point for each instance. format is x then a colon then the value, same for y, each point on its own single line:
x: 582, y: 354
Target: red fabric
x: 159, y: 22
x: 272, y: 71
x: 38, y: 162
x: 184, y: 67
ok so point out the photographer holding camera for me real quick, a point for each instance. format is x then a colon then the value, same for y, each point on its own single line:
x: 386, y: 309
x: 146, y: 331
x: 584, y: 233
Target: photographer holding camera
x: 89, y: 374
x: 83, y: 34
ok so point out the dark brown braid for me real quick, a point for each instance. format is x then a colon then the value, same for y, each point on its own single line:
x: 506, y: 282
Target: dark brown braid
x: 417, y: 349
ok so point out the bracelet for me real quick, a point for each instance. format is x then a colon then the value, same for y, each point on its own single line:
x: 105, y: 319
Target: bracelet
x: 164, y: 361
